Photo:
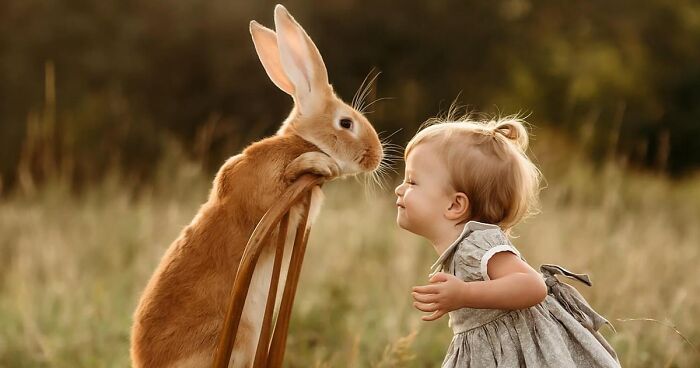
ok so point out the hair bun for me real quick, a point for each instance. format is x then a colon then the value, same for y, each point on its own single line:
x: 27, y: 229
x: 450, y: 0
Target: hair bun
x: 514, y: 130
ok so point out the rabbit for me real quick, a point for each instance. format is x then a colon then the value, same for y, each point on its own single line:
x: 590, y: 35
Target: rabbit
x: 181, y: 311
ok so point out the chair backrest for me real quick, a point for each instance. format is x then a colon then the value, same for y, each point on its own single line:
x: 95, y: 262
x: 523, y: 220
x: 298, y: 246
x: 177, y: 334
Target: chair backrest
x: 269, y: 353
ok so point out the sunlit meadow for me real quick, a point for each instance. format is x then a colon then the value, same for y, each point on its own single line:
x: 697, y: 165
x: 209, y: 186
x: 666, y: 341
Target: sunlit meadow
x: 72, y: 266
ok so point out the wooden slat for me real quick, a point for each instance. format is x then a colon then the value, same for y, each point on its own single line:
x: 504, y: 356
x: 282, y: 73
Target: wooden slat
x: 265, y: 330
x: 246, y: 267
x: 279, y: 338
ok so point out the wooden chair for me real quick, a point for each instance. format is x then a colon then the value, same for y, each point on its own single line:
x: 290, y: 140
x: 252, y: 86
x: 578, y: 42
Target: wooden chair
x: 269, y: 353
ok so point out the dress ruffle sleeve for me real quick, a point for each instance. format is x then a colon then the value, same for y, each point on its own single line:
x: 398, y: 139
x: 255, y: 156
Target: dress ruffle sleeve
x: 473, y: 255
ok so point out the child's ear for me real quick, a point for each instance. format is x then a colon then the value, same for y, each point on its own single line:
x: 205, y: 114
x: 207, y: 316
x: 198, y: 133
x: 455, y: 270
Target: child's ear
x: 459, y: 206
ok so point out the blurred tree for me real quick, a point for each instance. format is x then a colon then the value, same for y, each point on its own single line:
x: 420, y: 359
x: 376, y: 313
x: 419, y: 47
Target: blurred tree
x: 131, y: 75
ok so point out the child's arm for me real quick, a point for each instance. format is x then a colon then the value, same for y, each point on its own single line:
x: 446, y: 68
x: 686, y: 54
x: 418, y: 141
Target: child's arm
x: 513, y: 285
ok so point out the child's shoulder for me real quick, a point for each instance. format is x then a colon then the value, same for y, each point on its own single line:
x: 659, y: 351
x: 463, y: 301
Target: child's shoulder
x: 485, y: 236
x: 471, y: 256
x: 483, y: 241
x: 476, y: 240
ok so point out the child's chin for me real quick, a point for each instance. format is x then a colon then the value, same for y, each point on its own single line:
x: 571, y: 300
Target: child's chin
x: 400, y: 222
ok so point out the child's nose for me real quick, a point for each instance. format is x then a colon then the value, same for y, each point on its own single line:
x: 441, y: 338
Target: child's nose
x: 397, y: 191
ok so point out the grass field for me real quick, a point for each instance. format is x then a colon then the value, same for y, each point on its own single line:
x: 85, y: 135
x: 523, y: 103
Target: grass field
x: 72, y: 267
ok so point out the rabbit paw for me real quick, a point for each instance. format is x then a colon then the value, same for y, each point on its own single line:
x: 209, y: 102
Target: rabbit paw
x: 317, y: 163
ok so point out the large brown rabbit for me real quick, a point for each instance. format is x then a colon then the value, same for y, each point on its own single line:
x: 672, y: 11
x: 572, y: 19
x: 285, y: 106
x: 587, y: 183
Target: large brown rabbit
x: 180, y: 314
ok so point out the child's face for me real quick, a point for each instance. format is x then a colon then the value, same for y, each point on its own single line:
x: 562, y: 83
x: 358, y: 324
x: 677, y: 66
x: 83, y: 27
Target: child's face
x: 423, y: 196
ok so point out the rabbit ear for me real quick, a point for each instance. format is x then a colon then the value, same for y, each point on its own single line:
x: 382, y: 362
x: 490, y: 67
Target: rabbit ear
x: 265, y: 41
x: 301, y: 60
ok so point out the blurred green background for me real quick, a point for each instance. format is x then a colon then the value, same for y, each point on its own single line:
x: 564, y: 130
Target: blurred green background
x: 124, y: 77
x: 115, y: 115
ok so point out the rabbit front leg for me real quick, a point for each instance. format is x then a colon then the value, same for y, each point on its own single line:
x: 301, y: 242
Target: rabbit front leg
x: 312, y: 163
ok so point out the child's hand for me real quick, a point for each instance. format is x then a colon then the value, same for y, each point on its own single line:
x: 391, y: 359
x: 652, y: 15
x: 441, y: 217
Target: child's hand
x: 444, y: 294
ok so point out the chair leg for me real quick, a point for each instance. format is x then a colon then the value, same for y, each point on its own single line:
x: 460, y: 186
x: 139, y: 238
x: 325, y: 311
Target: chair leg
x: 279, y: 338
x: 302, y: 187
x: 262, y: 351
x: 241, y: 285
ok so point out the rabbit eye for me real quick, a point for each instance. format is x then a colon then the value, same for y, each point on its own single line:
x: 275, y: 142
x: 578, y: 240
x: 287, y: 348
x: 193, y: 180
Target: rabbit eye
x: 346, y: 123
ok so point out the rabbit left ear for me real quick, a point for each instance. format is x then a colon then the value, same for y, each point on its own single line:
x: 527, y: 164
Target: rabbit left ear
x: 300, y: 60
x: 265, y: 41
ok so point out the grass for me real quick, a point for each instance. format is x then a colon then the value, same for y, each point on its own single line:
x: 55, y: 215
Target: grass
x: 72, y: 267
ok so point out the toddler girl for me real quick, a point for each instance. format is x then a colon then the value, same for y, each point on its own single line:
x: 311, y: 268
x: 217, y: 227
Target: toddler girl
x: 466, y: 185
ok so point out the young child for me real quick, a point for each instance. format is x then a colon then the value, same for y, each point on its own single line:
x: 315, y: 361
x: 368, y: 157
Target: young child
x: 467, y: 184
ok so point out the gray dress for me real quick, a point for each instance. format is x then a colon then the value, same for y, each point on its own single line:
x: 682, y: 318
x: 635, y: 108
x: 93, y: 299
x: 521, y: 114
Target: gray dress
x: 561, y: 331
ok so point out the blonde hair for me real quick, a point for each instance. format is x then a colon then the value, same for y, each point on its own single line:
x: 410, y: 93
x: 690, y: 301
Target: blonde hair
x: 486, y: 160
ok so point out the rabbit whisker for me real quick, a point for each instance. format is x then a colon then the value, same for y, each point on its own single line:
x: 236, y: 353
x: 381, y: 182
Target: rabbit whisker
x: 355, y: 98
x: 366, y: 91
x: 377, y: 100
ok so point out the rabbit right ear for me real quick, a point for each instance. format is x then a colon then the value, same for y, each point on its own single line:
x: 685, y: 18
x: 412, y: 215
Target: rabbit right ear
x: 265, y: 41
x: 301, y: 61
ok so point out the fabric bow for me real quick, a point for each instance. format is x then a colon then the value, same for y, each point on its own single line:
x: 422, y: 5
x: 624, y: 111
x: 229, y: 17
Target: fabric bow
x: 570, y: 298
